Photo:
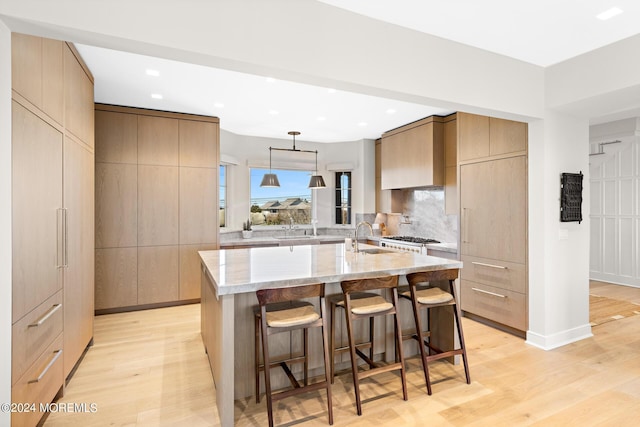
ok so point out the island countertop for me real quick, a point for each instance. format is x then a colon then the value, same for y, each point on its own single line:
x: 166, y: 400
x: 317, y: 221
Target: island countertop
x: 247, y: 270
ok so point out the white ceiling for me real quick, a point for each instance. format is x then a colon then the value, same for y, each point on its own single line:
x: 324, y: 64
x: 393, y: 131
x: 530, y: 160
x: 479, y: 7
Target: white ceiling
x: 541, y: 32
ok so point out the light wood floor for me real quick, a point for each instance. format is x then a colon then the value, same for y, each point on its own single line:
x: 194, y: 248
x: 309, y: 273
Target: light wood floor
x: 148, y: 368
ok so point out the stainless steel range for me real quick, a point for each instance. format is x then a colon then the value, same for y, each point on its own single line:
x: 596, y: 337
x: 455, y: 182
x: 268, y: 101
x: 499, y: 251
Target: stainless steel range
x: 407, y: 243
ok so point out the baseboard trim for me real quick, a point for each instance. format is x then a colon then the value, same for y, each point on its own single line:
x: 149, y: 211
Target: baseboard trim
x: 559, y: 339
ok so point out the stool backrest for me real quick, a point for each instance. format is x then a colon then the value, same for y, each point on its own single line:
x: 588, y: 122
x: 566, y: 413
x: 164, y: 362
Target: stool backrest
x: 350, y: 286
x: 268, y: 296
x: 430, y: 276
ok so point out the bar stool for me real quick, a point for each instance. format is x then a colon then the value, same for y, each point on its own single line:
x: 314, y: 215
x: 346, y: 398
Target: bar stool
x: 280, y: 311
x: 337, y: 301
x: 369, y: 308
x: 423, y: 296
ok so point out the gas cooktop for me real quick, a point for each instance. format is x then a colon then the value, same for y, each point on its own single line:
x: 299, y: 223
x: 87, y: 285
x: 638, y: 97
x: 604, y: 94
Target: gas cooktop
x: 411, y: 239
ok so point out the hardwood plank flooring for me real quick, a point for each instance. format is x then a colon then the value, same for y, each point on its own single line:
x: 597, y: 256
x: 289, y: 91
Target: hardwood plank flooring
x: 148, y: 368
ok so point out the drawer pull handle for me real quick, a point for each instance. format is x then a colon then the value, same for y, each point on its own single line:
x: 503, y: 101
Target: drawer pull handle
x: 502, y: 267
x: 48, y: 314
x: 489, y: 293
x: 46, y: 368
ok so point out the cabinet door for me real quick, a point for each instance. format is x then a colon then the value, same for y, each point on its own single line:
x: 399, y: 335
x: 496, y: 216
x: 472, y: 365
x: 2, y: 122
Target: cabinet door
x: 36, y: 210
x: 79, y: 274
x: 507, y: 136
x: 79, y: 99
x: 473, y: 136
x: 494, y: 209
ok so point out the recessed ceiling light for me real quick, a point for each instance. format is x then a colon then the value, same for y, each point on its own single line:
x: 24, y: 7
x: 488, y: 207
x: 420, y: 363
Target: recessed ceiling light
x: 321, y: 118
x: 274, y: 112
x: 156, y: 96
x: 609, y: 13
x: 391, y: 111
x: 218, y: 105
x: 362, y: 123
x: 331, y: 90
x: 154, y: 73
x: 270, y: 80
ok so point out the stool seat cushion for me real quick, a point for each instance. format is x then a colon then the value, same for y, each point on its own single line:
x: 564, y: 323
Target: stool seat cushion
x: 300, y: 314
x: 368, y: 305
x: 430, y: 295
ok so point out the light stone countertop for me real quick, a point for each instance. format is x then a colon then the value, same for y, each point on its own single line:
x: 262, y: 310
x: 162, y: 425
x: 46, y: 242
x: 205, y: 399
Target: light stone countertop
x: 237, y: 271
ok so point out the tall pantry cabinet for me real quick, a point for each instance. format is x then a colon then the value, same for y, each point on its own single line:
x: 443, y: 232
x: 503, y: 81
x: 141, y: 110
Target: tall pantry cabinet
x: 52, y: 211
x: 492, y: 159
x: 156, y: 205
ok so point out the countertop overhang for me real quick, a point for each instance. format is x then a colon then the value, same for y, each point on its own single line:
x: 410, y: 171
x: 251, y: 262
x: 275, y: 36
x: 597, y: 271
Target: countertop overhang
x: 247, y: 270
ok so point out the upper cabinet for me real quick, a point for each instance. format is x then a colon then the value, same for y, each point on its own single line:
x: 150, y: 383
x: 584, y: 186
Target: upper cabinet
x: 413, y: 155
x: 482, y: 136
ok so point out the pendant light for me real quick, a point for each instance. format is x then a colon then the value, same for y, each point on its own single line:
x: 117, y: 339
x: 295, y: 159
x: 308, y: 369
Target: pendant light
x: 316, y: 180
x: 271, y: 179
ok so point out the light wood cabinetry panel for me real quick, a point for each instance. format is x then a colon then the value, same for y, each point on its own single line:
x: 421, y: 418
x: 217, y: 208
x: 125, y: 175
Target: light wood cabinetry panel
x: 116, y: 196
x: 48, y: 368
x: 53, y: 79
x: 157, y: 205
x: 198, y: 205
x: 190, y: 270
x: 494, y: 209
x: 158, y: 274
x: 36, y: 210
x: 506, y: 136
x: 116, y: 278
x: 502, y: 274
x: 118, y: 136
x: 79, y: 117
x: 500, y: 305
x: 32, y: 334
x: 413, y: 156
x: 79, y: 274
x: 450, y: 161
x: 473, y: 136
x: 26, y: 67
x: 157, y: 141
x: 198, y: 144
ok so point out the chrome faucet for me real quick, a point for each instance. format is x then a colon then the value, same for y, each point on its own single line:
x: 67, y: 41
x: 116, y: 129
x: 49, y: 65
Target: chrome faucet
x: 357, y: 227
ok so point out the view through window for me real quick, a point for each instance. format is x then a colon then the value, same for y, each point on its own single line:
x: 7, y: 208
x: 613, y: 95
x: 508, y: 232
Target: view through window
x: 279, y: 205
x: 343, y: 197
x: 223, y: 196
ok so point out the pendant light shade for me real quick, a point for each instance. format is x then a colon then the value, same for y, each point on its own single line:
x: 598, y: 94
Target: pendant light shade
x: 317, y: 182
x: 270, y: 180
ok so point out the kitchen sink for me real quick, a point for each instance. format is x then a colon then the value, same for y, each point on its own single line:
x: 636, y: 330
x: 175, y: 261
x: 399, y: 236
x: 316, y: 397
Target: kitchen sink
x: 294, y: 237
x: 374, y: 251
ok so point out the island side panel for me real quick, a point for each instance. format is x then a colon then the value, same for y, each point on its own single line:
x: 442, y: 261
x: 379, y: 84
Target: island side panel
x: 218, y: 337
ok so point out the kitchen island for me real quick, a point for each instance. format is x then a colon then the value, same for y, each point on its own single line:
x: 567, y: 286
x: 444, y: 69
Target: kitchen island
x: 231, y: 277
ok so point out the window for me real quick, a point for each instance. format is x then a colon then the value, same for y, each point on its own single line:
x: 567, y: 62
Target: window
x: 223, y: 195
x: 278, y: 205
x: 343, y: 197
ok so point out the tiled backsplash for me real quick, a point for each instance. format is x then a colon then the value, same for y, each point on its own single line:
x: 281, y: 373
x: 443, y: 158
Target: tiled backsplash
x: 424, y: 210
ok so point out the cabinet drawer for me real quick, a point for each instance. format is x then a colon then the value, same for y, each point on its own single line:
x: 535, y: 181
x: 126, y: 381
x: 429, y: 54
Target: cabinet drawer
x: 499, y: 305
x: 504, y: 275
x: 32, y: 334
x: 39, y: 384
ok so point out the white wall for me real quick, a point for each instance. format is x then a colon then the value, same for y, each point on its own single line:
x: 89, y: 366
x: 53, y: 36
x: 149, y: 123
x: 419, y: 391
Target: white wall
x: 615, y: 201
x: 5, y: 220
x: 558, y: 252
x: 249, y: 151
x: 301, y: 40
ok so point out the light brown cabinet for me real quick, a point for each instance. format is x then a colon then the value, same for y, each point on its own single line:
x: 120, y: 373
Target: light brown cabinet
x: 52, y: 229
x: 156, y: 204
x: 413, y: 155
x: 493, y: 219
x: 450, y: 162
x: 481, y: 136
